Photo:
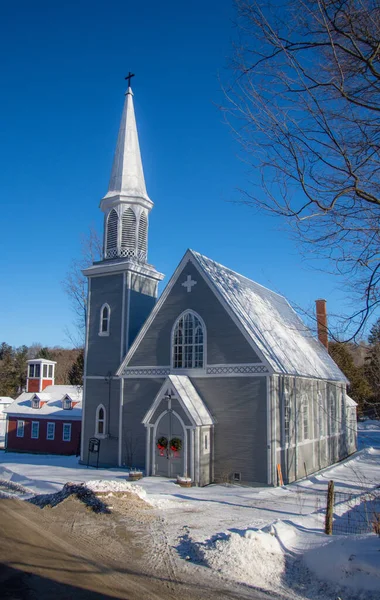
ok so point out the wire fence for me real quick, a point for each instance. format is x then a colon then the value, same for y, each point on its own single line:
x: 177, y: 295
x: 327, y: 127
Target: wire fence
x: 353, y: 512
x: 357, y: 513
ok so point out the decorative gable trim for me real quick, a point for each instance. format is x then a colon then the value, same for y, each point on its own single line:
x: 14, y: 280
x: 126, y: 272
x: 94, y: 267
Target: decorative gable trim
x: 236, y: 369
x: 188, y: 257
x: 146, y: 371
x: 210, y: 371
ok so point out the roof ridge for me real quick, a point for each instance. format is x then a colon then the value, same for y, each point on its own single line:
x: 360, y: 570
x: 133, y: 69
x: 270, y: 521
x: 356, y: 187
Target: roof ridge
x: 195, y: 253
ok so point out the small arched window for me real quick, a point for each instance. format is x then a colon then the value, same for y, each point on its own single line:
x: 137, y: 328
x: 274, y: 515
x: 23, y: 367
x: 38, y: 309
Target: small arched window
x: 105, y: 314
x: 143, y: 230
x: 188, y: 342
x: 100, y: 424
x: 128, y: 233
x: 111, y: 243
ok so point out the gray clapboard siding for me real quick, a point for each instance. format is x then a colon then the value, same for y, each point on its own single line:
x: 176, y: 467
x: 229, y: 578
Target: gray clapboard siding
x: 225, y: 342
x: 305, y: 455
x: 97, y: 392
x: 238, y: 406
x: 139, y: 395
x: 103, y: 353
x: 140, y: 305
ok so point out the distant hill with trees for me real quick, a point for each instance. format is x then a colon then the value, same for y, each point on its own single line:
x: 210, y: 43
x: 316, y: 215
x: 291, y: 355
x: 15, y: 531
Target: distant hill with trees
x: 13, y: 363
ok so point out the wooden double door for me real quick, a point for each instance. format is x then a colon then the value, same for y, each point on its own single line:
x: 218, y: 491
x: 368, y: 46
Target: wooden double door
x: 170, y: 446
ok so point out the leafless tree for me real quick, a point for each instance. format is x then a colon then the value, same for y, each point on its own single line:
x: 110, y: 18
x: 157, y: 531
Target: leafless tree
x: 305, y: 104
x: 75, y: 284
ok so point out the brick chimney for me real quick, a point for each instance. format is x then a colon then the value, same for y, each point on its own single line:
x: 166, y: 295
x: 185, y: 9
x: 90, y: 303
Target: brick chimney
x: 322, y: 322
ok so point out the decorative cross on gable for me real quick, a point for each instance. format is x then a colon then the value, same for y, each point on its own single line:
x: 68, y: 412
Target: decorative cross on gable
x: 188, y: 284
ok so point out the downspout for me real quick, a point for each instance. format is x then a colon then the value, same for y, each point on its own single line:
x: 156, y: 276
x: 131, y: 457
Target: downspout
x: 121, y: 421
x: 274, y: 397
x: 295, y: 428
x: 269, y: 432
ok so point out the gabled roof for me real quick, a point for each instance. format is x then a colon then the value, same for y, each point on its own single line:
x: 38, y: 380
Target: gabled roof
x: 188, y: 397
x: 274, y: 326
x: 267, y: 320
x: 43, y: 396
x: 52, y: 397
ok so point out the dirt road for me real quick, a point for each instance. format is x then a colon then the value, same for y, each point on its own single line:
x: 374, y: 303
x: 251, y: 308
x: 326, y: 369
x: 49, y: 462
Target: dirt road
x: 70, y: 552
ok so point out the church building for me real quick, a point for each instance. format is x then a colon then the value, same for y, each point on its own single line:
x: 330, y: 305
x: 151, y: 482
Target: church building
x: 218, y: 379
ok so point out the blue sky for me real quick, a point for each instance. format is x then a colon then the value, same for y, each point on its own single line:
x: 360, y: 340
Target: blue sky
x: 63, y: 68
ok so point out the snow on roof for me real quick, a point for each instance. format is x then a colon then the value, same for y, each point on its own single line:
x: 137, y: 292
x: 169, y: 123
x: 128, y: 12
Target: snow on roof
x: 272, y: 324
x: 42, y: 360
x: 192, y: 400
x: 42, y: 396
x: 350, y: 402
x: 5, y: 400
x: 188, y: 396
x: 52, y: 396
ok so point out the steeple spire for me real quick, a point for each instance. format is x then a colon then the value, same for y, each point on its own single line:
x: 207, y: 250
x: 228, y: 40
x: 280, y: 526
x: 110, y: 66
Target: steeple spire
x: 126, y: 204
x: 127, y: 175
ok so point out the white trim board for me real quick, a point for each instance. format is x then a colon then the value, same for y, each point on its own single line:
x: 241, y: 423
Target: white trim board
x: 227, y: 370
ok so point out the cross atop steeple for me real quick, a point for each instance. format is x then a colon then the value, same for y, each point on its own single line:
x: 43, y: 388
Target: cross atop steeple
x: 129, y: 77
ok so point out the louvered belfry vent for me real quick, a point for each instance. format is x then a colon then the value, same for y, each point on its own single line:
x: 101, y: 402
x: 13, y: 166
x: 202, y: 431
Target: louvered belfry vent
x: 112, y: 221
x: 143, y: 231
x: 128, y: 233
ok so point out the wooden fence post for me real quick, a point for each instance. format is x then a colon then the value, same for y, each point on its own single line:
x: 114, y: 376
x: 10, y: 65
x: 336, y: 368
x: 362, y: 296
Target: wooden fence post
x: 329, y: 509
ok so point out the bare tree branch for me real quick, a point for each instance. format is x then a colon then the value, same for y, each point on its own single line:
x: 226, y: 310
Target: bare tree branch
x: 305, y: 105
x: 75, y: 284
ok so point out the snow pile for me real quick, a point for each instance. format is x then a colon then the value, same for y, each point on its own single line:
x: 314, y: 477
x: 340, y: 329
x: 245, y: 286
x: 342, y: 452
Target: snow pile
x: 348, y: 562
x: 116, y: 485
x: 251, y: 557
x: 8, y: 489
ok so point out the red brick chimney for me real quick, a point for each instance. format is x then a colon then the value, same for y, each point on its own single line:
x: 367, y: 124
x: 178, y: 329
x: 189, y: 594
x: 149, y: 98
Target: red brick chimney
x: 322, y: 322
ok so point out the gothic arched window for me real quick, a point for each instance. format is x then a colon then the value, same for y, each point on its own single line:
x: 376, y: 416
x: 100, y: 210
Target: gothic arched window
x: 104, y: 325
x: 128, y: 233
x: 188, y: 342
x: 111, y: 242
x: 143, y: 230
x: 100, y: 420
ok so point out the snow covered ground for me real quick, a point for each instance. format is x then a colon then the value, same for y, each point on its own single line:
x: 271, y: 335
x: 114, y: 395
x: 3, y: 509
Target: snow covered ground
x: 268, y: 538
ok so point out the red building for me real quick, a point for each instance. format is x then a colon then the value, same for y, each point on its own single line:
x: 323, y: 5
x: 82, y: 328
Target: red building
x: 46, y: 418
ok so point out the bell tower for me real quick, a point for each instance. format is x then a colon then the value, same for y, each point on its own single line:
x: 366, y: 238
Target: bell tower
x: 123, y: 285
x: 122, y: 290
x: 126, y: 205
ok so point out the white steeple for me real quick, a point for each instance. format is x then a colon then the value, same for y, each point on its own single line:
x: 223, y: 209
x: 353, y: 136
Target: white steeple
x: 127, y: 176
x: 126, y: 204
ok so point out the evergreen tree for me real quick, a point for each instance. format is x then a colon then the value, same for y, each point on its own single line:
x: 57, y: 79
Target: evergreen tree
x: 7, y: 371
x: 76, y: 371
x: 374, y: 334
x: 359, y: 388
x: 44, y: 353
x: 372, y: 369
x: 20, y: 363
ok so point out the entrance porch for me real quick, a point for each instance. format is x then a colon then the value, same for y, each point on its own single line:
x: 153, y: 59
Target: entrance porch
x: 179, y: 431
